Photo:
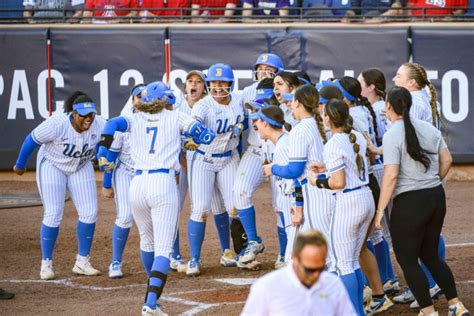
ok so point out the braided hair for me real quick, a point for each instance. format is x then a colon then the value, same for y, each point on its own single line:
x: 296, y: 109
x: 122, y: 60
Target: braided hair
x: 338, y: 113
x: 156, y: 106
x: 418, y: 73
x: 308, y: 96
x: 352, y: 85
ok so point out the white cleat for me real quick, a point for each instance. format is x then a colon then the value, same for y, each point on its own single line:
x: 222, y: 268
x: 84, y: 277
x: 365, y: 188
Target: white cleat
x: 148, y: 311
x: 228, y: 259
x: 280, y: 262
x: 405, y: 297
x: 115, y: 270
x: 47, y: 272
x: 178, y: 264
x: 193, y: 268
x: 435, y: 292
x: 84, y: 267
x: 251, y: 251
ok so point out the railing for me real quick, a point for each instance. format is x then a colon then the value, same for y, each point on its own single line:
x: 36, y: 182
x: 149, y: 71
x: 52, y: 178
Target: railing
x: 296, y: 14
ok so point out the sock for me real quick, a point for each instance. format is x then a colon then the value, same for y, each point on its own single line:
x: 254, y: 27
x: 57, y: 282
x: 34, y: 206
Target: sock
x: 247, y: 217
x: 442, y: 255
x: 147, y: 260
x: 176, y: 254
x: 282, y: 238
x: 379, y: 297
x: 196, y: 232
x: 390, y: 272
x: 119, y: 239
x: 380, y: 255
x: 370, y: 246
x: 360, y: 289
x: 223, y: 230
x: 85, y: 235
x: 48, y: 237
x: 160, y: 264
x: 352, y: 287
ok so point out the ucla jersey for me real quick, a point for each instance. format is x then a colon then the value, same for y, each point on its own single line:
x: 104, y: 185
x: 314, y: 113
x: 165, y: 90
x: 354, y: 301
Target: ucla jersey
x: 221, y: 119
x: 155, y: 139
x: 67, y: 149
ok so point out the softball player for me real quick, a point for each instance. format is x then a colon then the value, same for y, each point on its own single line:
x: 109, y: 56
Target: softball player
x: 214, y: 164
x: 269, y: 121
x: 195, y: 89
x: 249, y: 173
x: 68, y: 144
x: 118, y: 181
x: 155, y: 144
x: 413, y: 77
x: 373, y: 86
x: 344, y: 160
x: 305, y: 147
x: 285, y: 83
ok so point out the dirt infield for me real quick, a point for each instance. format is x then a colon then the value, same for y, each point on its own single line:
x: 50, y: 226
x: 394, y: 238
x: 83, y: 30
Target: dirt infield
x: 20, y: 259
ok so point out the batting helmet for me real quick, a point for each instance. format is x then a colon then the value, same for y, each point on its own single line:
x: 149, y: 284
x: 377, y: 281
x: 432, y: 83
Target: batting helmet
x: 221, y: 72
x: 271, y: 60
x: 157, y: 91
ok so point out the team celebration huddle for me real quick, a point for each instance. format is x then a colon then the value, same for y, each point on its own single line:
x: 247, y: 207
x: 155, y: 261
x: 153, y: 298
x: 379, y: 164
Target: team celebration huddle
x: 355, y: 170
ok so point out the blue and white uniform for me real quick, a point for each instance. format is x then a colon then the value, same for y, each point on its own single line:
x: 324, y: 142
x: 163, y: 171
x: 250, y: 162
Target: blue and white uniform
x: 354, y: 210
x: 64, y: 164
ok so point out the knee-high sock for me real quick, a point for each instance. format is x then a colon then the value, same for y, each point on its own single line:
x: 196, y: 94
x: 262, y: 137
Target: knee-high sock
x: 162, y: 265
x: 119, y: 240
x: 390, y: 272
x: 85, y: 235
x: 176, y: 253
x: 48, y: 236
x: 360, y: 289
x: 282, y: 238
x: 196, y: 231
x: 248, y: 219
x: 147, y: 260
x: 352, y: 286
x: 380, y: 255
x: 223, y: 230
x: 442, y: 255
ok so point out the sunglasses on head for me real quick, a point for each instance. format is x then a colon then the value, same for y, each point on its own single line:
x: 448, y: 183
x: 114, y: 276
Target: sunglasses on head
x: 312, y: 270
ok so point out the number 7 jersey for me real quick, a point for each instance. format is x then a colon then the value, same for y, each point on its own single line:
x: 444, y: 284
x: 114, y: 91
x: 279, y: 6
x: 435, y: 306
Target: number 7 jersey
x: 155, y: 140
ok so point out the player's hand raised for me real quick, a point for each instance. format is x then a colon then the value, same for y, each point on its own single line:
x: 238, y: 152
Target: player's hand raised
x: 18, y: 171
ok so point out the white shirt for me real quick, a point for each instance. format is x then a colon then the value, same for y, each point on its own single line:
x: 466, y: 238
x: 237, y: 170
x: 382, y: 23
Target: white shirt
x: 379, y: 107
x: 67, y: 149
x: 121, y: 143
x: 305, y: 144
x: 281, y: 293
x: 155, y: 139
x: 420, y: 107
x: 339, y: 154
x: 221, y: 119
x: 285, y: 186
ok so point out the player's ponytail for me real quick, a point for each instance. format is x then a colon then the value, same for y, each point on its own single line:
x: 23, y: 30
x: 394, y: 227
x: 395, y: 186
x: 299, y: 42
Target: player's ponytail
x: 156, y: 106
x: 338, y: 113
x: 400, y: 100
x: 308, y: 96
x: 418, y: 73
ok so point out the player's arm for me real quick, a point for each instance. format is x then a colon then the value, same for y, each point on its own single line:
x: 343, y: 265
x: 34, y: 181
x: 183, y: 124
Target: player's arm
x: 200, y: 133
x: 120, y: 124
x: 29, y: 145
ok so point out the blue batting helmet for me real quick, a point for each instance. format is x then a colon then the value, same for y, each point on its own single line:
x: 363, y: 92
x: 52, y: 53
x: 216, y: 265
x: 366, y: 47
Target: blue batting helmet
x: 271, y: 60
x: 157, y: 91
x: 221, y: 72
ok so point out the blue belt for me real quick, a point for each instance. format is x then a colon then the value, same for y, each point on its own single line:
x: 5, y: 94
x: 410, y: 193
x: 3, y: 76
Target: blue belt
x: 226, y: 154
x: 305, y: 180
x: 139, y: 172
x: 352, y: 189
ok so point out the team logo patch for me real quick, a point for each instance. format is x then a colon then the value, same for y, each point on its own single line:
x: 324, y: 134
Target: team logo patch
x: 88, y: 105
x: 219, y: 72
x: 264, y: 58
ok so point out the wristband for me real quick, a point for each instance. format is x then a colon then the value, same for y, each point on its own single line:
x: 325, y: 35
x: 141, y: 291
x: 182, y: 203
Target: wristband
x: 323, y: 183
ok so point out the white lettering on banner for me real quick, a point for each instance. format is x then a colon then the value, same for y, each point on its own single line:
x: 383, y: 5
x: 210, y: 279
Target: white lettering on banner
x: 447, y: 98
x: 125, y: 81
x: 103, y: 78
x: 2, y: 86
x: 20, y: 85
x: 325, y: 75
x: 43, y: 91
